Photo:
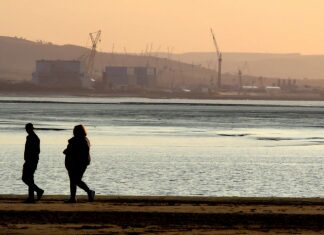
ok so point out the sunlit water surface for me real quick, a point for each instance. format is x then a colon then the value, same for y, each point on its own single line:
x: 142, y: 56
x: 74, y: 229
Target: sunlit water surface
x: 170, y: 147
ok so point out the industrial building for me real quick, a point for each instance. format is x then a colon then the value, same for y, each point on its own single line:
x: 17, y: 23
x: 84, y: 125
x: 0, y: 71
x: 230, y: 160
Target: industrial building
x: 122, y: 77
x: 59, y: 73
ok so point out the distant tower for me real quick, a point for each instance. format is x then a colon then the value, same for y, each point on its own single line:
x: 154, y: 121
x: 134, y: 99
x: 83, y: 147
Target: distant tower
x: 240, y: 79
x: 219, y: 59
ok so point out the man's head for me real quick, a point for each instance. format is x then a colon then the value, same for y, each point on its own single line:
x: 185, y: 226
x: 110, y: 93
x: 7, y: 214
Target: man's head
x: 29, y: 128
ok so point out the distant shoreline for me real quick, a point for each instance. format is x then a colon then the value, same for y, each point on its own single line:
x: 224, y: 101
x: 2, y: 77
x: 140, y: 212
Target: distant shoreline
x: 224, y: 96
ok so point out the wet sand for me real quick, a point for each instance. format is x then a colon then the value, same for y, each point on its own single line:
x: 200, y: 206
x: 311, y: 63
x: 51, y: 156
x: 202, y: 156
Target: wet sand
x: 162, y: 215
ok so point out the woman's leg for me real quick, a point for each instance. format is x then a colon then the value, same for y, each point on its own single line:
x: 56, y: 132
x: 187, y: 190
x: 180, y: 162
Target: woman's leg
x: 84, y: 186
x: 79, y: 182
x: 73, y: 184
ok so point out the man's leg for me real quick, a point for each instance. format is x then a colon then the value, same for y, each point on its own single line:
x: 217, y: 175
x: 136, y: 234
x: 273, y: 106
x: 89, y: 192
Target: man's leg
x: 35, y: 188
x: 28, y: 179
x: 31, y: 193
x: 32, y: 184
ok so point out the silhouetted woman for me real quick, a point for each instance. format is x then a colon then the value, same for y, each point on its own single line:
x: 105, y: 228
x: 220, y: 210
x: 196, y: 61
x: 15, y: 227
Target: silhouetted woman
x: 77, y: 158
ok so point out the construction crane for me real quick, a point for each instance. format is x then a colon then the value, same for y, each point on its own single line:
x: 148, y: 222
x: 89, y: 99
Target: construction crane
x: 95, y: 39
x: 87, y: 60
x: 219, y: 59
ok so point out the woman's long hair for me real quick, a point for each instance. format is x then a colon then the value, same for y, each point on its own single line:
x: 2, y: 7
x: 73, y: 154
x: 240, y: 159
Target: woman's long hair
x: 79, y: 131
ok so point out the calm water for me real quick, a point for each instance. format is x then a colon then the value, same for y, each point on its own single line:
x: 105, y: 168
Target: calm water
x: 171, y: 147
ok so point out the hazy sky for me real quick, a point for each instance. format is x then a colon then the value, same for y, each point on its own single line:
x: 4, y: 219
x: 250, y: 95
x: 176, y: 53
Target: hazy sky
x: 240, y: 25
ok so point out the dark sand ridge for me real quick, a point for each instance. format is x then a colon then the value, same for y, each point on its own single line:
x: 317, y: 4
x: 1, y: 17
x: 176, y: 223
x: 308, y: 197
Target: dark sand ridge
x: 171, y: 215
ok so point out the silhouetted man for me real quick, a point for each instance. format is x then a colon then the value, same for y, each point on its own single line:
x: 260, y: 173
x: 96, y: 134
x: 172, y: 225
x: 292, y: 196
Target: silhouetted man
x: 31, y: 157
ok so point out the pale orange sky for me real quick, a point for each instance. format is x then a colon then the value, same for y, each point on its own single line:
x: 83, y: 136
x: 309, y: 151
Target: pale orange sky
x: 277, y: 26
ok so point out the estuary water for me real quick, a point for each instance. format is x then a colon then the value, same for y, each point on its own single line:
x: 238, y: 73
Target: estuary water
x: 170, y: 147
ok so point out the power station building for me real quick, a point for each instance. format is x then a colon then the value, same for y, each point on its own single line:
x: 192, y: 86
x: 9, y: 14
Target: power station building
x: 122, y: 76
x: 59, y: 73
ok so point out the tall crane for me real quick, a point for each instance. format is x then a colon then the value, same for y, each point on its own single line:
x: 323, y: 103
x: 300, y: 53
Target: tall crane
x: 95, y: 39
x: 219, y: 59
x: 87, y: 60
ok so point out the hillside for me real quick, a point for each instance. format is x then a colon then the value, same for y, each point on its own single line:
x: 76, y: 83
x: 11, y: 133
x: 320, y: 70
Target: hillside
x: 261, y: 64
x: 18, y: 56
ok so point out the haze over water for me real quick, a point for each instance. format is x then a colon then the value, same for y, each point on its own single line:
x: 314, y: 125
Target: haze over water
x: 171, y: 147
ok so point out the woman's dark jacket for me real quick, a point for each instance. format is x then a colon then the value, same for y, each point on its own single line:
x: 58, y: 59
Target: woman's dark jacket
x: 77, y: 153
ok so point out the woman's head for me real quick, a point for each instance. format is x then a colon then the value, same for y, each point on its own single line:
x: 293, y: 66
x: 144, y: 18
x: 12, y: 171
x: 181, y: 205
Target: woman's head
x: 79, y: 131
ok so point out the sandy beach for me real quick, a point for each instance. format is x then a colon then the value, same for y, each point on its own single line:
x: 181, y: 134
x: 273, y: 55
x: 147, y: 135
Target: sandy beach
x: 162, y: 215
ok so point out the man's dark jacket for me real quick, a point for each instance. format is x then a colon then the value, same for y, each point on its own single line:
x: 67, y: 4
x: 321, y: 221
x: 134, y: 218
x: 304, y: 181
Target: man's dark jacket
x: 32, y: 148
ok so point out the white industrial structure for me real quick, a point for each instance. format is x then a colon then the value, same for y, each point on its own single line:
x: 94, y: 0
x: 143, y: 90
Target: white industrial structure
x: 58, y: 73
x: 129, y: 77
x: 68, y: 73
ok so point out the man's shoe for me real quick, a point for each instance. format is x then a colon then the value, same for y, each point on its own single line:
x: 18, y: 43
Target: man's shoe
x: 91, y: 195
x: 71, y: 200
x: 40, y: 194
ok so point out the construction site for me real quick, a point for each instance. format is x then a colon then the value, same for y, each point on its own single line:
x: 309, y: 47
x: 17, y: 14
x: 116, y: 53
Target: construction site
x: 95, y: 72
